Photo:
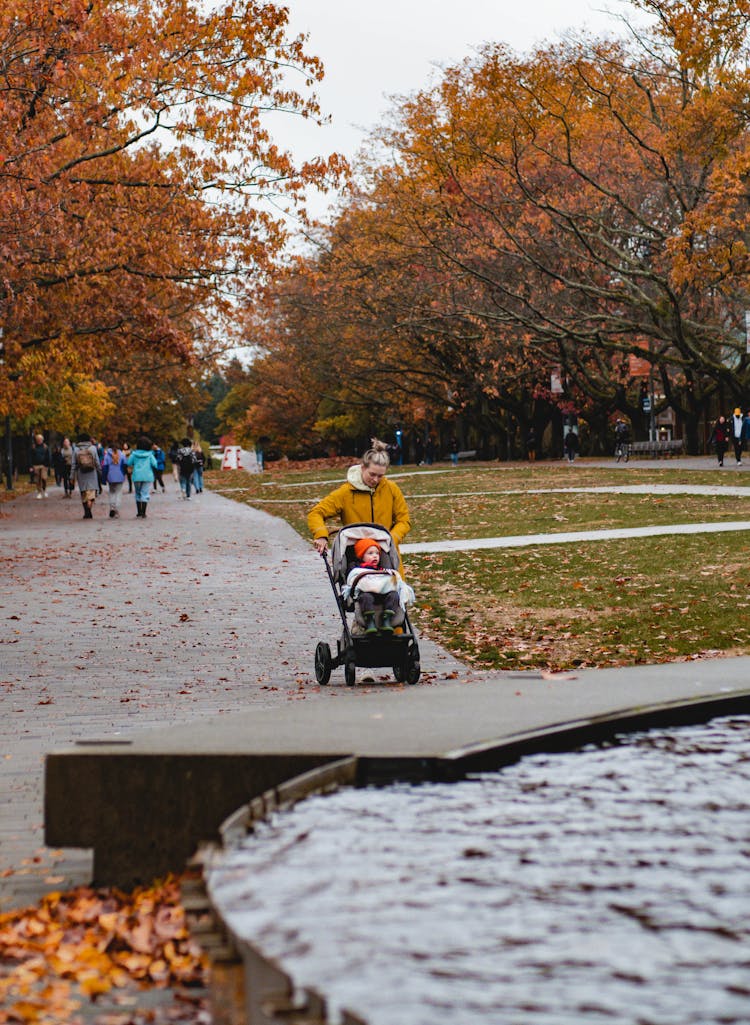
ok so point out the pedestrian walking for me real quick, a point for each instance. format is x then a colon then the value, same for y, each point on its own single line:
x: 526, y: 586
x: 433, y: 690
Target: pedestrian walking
x: 85, y: 470
x: 453, y: 449
x: 57, y: 461
x: 531, y: 445
x: 143, y: 462
x: 720, y: 438
x: 737, y: 433
x: 186, y: 465
x: 161, y: 462
x: 40, y: 464
x: 100, y: 482
x: 174, y: 460
x: 66, y: 454
x: 126, y: 451
x: 199, y: 460
x: 429, y: 450
x: 571, y: 445
x: 113, y: 471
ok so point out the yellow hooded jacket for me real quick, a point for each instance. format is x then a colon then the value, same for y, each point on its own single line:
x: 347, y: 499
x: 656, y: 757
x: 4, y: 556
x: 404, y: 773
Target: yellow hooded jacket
x: 354, y: 502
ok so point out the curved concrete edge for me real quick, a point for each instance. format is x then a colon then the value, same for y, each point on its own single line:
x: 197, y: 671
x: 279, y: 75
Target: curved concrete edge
x: 322, y: 780
x: 261, y: 991
x: 247, y: 986
x: 491, y: 755
x: 146, y: 805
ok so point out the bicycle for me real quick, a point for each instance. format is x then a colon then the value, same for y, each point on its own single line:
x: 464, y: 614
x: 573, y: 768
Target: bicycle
x: 622, y: 451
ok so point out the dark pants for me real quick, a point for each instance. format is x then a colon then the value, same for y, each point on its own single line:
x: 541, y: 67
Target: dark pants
x: 370, y: 602
x: 737, y: 442
x: 158, y: 479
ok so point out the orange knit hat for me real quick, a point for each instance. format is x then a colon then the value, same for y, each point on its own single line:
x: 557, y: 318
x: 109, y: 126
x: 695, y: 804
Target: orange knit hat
x: 361, y: 546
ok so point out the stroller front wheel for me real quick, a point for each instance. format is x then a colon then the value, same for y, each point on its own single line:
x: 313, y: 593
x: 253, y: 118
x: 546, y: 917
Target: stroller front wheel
x: 350, y: 672
x: 323, y: 663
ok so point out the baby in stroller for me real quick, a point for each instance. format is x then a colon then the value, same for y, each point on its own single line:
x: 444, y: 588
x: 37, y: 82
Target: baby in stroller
x: 375, y: 589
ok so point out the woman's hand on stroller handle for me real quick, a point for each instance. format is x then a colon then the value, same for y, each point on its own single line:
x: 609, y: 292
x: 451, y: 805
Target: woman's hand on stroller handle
x: 321, y: 545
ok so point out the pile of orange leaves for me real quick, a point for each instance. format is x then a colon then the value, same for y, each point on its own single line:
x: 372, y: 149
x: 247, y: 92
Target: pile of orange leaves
x: 85, y: 943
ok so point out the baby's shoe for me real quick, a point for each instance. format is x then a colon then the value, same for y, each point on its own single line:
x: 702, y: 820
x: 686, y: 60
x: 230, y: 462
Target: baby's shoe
x: 370, y: 627
x: 386, y: 626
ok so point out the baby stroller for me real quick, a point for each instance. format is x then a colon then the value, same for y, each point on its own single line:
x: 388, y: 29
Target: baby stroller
x: 399, y: 650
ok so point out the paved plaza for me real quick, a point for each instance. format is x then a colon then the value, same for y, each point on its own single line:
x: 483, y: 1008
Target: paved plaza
x: 205, y: 616
x: 118, y: 626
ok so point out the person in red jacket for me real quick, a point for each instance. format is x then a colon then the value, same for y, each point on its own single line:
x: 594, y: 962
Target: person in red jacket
x: 720, y: 438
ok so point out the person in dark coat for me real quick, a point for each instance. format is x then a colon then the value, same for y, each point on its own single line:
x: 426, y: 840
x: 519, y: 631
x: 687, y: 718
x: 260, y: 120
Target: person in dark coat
x: 40, y: 464
x: 571, y: 445
x: 531, y: 445
x: 720, y: 438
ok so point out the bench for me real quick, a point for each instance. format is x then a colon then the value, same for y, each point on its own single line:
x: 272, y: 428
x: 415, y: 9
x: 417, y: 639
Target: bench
x: 657, y: 449
x: 470, y: 453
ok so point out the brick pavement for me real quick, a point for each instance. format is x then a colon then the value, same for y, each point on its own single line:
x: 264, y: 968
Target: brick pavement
x: 115, y: 625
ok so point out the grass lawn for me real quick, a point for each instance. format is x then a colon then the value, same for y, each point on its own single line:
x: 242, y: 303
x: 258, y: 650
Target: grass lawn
x: 593, y: 604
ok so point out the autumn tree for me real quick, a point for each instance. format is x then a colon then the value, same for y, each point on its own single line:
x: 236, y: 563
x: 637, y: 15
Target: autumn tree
x: 581, y: 209
x: 595, y: 191
x: 136, y: 155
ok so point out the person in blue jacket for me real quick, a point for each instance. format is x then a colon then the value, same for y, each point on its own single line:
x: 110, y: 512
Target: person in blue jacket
x: 161, y: 463
x: 114, y: 473
x: 143, y: 461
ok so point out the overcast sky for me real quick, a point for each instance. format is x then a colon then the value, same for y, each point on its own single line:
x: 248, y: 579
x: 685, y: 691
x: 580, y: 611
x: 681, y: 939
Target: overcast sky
x: 372, y: 51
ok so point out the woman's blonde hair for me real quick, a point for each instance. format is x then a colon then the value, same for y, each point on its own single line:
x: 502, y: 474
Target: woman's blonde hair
x: 377, y: 453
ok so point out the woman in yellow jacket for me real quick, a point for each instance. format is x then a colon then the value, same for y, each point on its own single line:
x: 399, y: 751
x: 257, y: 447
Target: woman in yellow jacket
x: 366, y: 497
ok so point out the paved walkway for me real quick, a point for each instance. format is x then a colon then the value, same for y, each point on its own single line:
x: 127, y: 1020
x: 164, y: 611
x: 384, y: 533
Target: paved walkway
x: 471, y: 544
x: 116, y: 626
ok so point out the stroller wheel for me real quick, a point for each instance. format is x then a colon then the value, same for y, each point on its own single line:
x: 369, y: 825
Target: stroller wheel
x: 399, y: 673
x: 412, y: 668
x: 350, y: 673
x: 323, y: 663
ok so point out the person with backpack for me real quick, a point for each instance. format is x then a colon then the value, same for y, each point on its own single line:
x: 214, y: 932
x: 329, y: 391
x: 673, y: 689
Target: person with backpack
x: 85, y: 469
x: 199, y: 462
x: 113, y: 471
x: 143, y: 461
x: 161, y: 463
x: 186, y: 463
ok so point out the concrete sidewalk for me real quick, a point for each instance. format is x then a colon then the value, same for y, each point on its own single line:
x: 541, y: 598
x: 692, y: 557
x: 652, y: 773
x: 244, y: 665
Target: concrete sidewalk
x: 113, y: 627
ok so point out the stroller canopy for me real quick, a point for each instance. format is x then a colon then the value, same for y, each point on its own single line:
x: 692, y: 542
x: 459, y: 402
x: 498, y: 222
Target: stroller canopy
x: 342, y: 552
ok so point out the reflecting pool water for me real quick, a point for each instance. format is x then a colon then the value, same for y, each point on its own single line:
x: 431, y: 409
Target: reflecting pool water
x: 606, y: 885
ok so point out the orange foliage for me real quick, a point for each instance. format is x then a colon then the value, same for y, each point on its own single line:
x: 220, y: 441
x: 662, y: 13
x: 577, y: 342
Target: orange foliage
x: 135, y: 154
x: 84, y: 943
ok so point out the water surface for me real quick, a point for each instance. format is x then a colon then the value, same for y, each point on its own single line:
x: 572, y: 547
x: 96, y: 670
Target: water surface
x: 606, y: 885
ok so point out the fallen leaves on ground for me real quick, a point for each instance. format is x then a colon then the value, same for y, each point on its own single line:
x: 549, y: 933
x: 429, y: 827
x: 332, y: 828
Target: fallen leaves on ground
x: 77, y: 946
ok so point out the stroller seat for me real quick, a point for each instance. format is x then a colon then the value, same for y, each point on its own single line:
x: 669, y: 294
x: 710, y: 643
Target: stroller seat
x: 397, y: 649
